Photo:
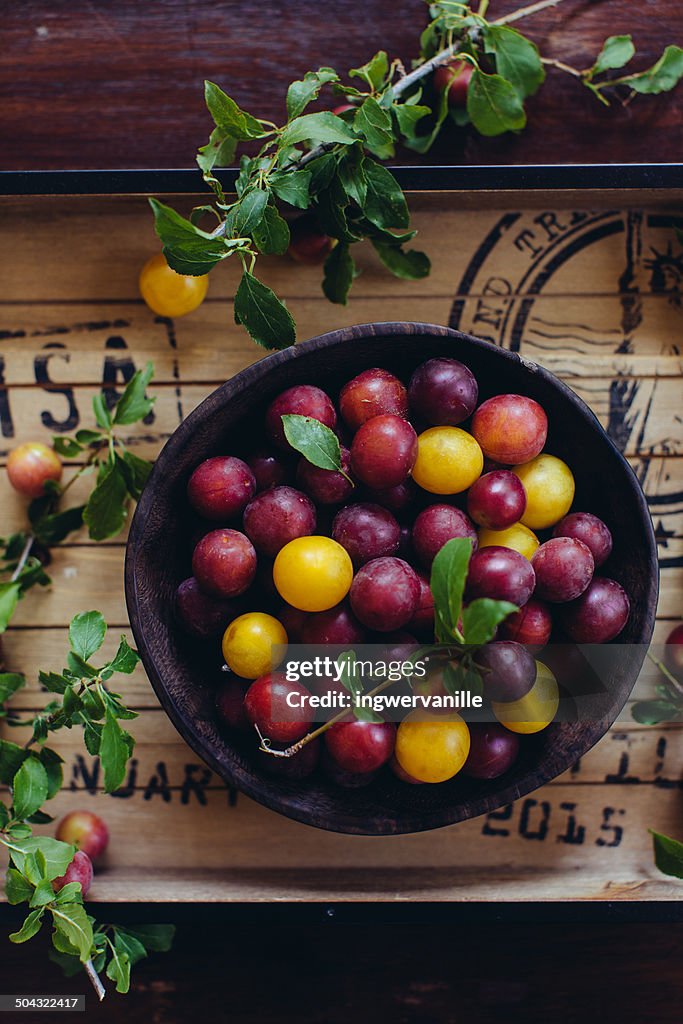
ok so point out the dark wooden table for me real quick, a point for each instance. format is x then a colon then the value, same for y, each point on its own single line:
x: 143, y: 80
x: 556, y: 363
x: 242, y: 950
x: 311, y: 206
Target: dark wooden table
x: 99, y: 84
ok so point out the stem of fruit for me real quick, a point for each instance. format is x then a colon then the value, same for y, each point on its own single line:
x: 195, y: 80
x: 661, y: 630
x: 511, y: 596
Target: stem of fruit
x: 669, y: 676
x: 94, y: 979
x: 300, y: 744
x: 524, y: 12
x: 23, y: 558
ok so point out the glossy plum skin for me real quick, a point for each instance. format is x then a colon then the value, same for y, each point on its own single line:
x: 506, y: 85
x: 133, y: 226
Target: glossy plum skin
x: 201, y: 615
x: 361, y: 747
x: 230, y: 703
x: 372, y: 393
x: 673, y: 653
x: 326, y: 486
x: 457, y: 81
x: 268, y: 468
x: 590, y: 530
x: 277, y: 516
x: 532, y: 625
x: 502, y: 574
x: 79, y: 870
x: 423, y: 619
x: 308, y: 245
x: 384, y: 594
x: 396, y: 499
x: 84, y: 830
x: 300, y: 400
x: 443, y: 392
x: 509, y: 670
x: 340, y: 777
x: 564, y: 567
x: 599, y: 615
x: 496, y: 500
x: 493, y: 751
x: 511, y: 429
x: 30, y: 466
x: 337, y: 625
x: 224, y: 563
x: 383, y: 451
x: 266, y: 707
x: 436, y: 525
x: 366, y: 531
x: 220, y: 488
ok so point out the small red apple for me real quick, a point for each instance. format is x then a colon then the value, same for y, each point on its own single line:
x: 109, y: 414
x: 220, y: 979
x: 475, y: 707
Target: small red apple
x: 308, y: 244
x: 79, y: 870
x: 30, y: 466
x: 674, y: 650
x: 84, y: 830
x: 456, y: 78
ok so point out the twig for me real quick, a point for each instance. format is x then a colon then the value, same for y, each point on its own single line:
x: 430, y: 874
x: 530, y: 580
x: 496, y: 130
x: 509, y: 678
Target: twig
x: 561, y: 66
x: 23, y: 558
x: 94, y: 979
x: 524, y: 12
x: 669, y: 676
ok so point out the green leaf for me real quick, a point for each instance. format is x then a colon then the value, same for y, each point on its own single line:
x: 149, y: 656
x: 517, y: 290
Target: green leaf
x: 69, y: 964
x: 125, y: 659
x: 259, y: 310
x: 331, y: 207
x: 67, y: 447
x: 133, y: 405
x: 136, y: 473
x: 53, y: 682
x: 517, y: 59
x: 374, y: 72
x: 271, y: 235
x: 10, y: 682
x: 662, y: 76
x: 385, y: 204
x: 616, y: 52
x: 29, y: 788
x: 652, y: 712
x: 219, y: 151
x: 324, y: 127
x: 118, y: 970
x: 128, y: 944
x: 40, y: 818
x: 72, y: 892
x: 374, y: 124
x: 410, y: 266
x: 52, y: 763
x: 246, y: 215
x: 228, y: 116
x: 494, y: 105
x: 30, y: 927
x: 351, y: 175
x: 93, y: 705
x: 482, y: 617
x: 155, y: 937
x: 316, y: 442
x: 71, y: 921
x: 17, y: 888
x: 447, y: 582
x: 87, y: 631
x: 12, y: 757
x: 339, y: 273
x: 9, y: 597
x: 102, y: 413
x: 106, y: 512
x: 42, y: 894
x: 292, y: 187
x: 322, y: 171
x: 53, y: 528
x: 188, y: 249
x: 307, y: 89
x: 88, y: 437
x: 114, y: 752
x: 408, y: 116
x: 668, y: 854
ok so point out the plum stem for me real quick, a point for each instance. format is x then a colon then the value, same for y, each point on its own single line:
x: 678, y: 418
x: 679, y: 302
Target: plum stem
x: 23, y: 558
x: 561, y: 66
x: 524, y: 12
x: 94, y: 979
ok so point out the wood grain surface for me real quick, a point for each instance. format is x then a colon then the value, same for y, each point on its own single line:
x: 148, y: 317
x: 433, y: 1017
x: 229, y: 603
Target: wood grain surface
x: 607, y: 317
x: 88, y: 85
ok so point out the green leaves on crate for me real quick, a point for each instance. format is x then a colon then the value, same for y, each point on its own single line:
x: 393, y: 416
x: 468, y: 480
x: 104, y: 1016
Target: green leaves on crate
x: 33, y: 775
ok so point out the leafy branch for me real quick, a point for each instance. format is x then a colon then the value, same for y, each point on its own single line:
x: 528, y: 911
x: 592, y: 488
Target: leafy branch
x: 33, y: 773
x: 329, y: 162
x: 120, y: 477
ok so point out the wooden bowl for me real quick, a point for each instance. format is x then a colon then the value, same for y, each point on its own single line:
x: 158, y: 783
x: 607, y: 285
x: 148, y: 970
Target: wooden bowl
x: 184, y: 673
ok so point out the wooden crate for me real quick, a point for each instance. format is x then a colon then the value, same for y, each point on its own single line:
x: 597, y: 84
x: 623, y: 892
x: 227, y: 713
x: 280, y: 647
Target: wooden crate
x: 593, y: 295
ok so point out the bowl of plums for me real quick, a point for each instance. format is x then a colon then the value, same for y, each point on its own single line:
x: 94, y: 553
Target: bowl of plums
x: 391, y: 578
